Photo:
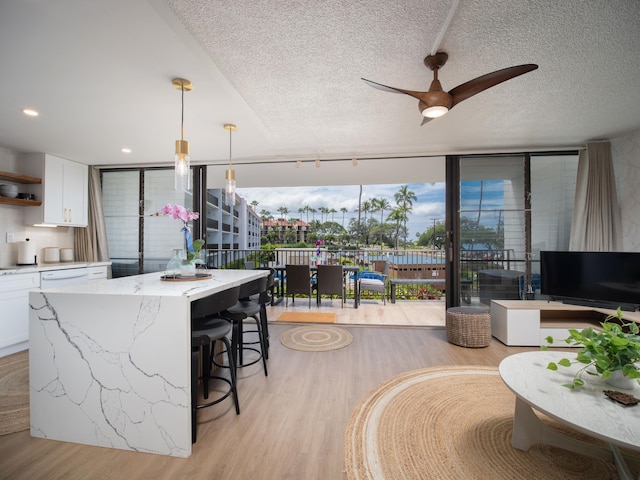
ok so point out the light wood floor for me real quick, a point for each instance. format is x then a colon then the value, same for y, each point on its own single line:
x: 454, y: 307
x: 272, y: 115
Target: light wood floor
x: 426, y: 313
x: 291, y: 424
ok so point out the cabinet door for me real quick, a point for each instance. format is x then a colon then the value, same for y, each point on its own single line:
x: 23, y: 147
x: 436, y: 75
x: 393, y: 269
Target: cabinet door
x: 64, y: 191
x: 14, y: 305
x: 53, y: 198
x: 75, y: 194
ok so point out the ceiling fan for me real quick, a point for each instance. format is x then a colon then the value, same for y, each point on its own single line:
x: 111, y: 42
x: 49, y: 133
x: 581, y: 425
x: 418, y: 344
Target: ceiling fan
x: 436, y: 102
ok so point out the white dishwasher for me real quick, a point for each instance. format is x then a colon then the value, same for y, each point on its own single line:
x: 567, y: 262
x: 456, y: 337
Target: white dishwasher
x: 60, y: 278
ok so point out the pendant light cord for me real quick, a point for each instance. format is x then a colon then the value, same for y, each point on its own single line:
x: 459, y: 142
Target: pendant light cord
x: 182, y: 114
x: 230, y: 161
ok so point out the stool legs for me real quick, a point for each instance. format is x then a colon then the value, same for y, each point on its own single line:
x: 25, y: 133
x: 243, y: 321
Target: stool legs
x: 238, y: 344
x: 207, y: 360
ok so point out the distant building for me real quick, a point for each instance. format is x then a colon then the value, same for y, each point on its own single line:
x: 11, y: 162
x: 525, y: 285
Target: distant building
x: 282, y: 225
x: 231, y: 228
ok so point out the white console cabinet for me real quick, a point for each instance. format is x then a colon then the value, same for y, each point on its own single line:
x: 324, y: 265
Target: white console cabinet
x: 14, y: 305
x: 530, y: 322
x: 97, y: 273
x: 64, y: 191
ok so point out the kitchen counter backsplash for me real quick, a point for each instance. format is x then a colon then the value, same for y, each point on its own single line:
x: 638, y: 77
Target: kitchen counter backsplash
x: 49, y: 266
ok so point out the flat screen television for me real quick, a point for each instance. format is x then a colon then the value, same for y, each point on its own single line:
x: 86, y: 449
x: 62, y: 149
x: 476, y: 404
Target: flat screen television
x: 602, y: 279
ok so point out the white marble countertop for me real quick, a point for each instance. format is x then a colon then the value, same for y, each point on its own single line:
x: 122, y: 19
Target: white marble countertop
x: 586, y: 409
x: 43, y: 267
x: 110, y: 361
x: 150, y: 284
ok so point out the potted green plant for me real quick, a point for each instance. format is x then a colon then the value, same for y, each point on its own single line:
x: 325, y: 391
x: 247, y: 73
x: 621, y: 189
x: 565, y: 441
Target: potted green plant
x: 614, y: 350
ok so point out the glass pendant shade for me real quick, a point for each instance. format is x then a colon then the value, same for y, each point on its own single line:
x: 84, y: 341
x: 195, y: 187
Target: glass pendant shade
x: 182, y: 166
x: 230, y: 177
x: 230, y: 187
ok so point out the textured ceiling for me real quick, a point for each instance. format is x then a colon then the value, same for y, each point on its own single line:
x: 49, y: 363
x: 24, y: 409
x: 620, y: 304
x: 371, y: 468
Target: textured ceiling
x: 288, y: 74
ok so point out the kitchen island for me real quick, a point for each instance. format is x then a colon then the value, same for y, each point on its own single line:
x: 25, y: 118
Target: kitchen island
x: 109, y: 362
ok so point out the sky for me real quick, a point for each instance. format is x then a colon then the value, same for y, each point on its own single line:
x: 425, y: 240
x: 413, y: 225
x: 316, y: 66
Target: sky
x: 429, y: 206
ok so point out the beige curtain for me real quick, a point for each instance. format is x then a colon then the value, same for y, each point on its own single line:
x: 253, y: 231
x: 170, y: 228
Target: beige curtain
x: 596, y: 225
x: 90, y: 243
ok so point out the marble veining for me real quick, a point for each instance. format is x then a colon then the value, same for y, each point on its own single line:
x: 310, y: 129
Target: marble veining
x: 123, y: 399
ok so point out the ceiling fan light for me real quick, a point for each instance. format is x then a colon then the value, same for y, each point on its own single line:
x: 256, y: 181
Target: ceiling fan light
x: 435, y: 111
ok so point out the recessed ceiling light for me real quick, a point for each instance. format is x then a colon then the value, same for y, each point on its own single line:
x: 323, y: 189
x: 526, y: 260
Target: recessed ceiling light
x: 126, y: 150
x: 29, y: 112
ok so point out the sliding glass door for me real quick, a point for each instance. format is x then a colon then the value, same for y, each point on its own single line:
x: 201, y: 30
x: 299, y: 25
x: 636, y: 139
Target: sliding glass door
x: 508, y: 209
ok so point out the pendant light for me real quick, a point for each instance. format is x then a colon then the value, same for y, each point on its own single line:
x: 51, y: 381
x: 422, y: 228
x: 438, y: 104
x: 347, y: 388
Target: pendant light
x: 230, y: 177
x: 182, y: 159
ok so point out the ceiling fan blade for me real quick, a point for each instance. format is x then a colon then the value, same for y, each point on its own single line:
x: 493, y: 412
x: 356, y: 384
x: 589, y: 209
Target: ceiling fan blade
x: 385, y: 88
x: 477, y: 85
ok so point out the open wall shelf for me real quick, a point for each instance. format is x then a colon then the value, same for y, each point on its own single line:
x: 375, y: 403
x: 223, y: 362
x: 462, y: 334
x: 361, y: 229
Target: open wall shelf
x: 24, y: 179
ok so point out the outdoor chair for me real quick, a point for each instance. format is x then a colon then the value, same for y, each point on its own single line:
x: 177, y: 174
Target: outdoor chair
x: 373, y: 281
x: 298, y: 282
x: 330, y: 281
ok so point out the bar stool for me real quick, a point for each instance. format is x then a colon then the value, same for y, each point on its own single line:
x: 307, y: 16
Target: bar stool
x: 263, y: 299
x: 245, y: 309
x: 207, y: 327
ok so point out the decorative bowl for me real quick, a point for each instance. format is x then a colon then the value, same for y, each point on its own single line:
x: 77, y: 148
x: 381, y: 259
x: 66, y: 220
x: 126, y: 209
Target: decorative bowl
x: 9, y: 191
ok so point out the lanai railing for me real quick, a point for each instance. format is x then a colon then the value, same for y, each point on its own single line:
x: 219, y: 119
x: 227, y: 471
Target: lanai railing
x: 404, y: 264
x: 416, y: 264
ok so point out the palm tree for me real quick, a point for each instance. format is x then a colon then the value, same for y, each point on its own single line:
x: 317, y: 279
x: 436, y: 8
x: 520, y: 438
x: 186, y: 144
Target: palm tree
x: 324, y: 211
x: 254, y: 204
x: 283, y: 211
x: 359, y: 209
x: 397, y: 217
x: 313, y: 214
x: 343, y: 210
x: 366, y: 207
x: 265, y: 215
x: 380, y: 205
x: 404, y: 202
x: 332, y: 211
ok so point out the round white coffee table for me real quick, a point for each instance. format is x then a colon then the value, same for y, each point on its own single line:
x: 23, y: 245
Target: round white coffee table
x: 586, y: 409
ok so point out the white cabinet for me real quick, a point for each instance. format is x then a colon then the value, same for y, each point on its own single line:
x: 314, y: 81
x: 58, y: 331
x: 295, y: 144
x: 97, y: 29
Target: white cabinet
x: 64, y: 191
x: 14, y: 305
x: 97, y: 273
x: 530, y: 322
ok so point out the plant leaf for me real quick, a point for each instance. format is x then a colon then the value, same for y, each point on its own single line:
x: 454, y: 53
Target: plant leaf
x: 565, y: 362
x: 552, y: 366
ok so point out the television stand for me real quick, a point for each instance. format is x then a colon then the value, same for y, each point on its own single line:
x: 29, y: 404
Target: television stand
x: 529, y: 322
x: 627, y: 307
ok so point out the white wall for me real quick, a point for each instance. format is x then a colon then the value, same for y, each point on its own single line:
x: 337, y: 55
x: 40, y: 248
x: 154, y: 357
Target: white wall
x: 12, y: 221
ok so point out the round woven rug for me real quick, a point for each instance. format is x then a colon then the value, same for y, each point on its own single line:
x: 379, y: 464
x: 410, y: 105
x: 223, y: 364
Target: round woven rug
x: 319, y: 338
x: 452, y: 422
x: 14, y: 393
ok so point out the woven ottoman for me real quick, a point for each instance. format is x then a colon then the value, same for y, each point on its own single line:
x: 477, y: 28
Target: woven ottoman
x: 468, y: 326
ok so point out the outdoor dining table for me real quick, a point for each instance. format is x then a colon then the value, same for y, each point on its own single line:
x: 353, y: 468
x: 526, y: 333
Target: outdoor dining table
x: 110, y: 361
x: 346, y: 270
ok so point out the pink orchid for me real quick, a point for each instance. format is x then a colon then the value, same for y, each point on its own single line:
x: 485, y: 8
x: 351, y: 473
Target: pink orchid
x: 178, y: 212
